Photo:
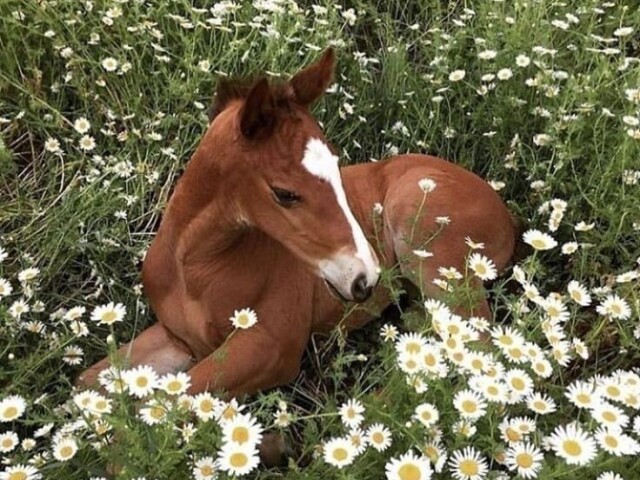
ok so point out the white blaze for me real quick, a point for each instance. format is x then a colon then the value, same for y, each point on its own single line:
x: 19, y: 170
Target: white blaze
x: 319, y: 161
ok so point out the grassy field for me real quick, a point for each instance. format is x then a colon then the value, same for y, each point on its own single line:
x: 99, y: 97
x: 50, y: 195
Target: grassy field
x: 102, y: 103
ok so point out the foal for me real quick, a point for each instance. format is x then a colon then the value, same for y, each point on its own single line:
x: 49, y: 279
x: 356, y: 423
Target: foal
x: 264, y: 218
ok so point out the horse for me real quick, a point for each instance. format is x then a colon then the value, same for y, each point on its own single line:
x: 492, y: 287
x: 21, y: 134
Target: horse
x: 264, y: 218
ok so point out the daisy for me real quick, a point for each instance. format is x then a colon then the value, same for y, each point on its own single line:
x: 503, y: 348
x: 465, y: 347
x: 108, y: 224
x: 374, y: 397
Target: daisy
x: 238, y: 459
x: 153, y: 413
x: 73, y: 355
x: 204, y: 469
x: 487, y: 54
x: 519, y: 382
x: 526, y: 458
x: 226, y: 411
x: 469, y: 404
x: 389, y: 333
x: 408, y: 363
x: 18, y: 308
x: 473, y: 245
x: 52, y: 145
x: 614, y: 307
x: 457, y: 75
x: 175, y: 383
x: 539, y: 240
x: 108, y: 314
x: 379, y: 437
x: 12, y: 408
x: 339, y: 452
x: 408, y: 466
x: 555, y: 309
x: 436, y: 455
x: 580, y: 348
x: 244, y: 318
x: 87, y: 143
x: 468, y: 464
x: 205, y: 406
x: 20, y: 472
x: 64, y: 449
x: 609, y: 415
x: 282, y: 418
x: 464, y: 428
x: 541, y: 404
x: 28, y: 274
x: 493, y: 390
x: 141, y: 381
x: 427, y: 185
x: 112, y: 380
x: 504, y: 74
x: 505, y: 337
x: 81, y: 125
x: 573, y: 444
x: 110, y: 64
x: 351, y: 413
x: 611, y: 389
x: 483, y: 267
x: 5, y: 288
x: 609, y: 476
x: 8, y: 441
x: 427, y: 414
x: 412, y: 343
x: 522, y: 61
x: 243, y: 429
x: 613, y: 441
x: 582, y: 394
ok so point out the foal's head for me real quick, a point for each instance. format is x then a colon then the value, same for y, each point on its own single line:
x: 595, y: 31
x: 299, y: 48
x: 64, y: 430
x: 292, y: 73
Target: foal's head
x: 281, y: 176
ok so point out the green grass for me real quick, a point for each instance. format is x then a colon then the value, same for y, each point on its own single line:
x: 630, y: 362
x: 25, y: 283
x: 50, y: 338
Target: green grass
x: 60, y: 212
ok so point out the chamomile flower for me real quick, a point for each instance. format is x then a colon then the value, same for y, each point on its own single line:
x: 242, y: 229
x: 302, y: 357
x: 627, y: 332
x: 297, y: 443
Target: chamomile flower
x: 427, y: 185
x: 108, y: 314
x: 468, y: 464
x: 175, y: 383
x: 204, y: 469
x: 483, y: 267
x: 110, y: 64
x: 519, y: 382
x: 573, y: 444
x: 238, y: 459
x: 282, y: 418
x: 469, y: 404
x: 609, y: 415
x: 539, y: 240
x: 141, y: 381
x: 81, y: 125
x: 609, y: 476
x: 389, y: 332
x: 243, y: 319
x: 408, y: 466
x: 12, y: 408
x: 87, y: 143
x: 243, y: 429
x: 8, y: 441
x: 205, y: 406
x: 436, y: 455
x: 351, y: 413
x: 20, y: 472
x: 505, y: 337
x: 339, y: 452
x: 379, y: 437
x: 411, y: 343
x: 5, y: 288
x: 64, y: 449
x: 541, y: 404
x: 614, y: 307
x: 153, y: 413
x: 613, y: 441
x: 525, y: 458
x: 427, y: 414
x: 583, y: 394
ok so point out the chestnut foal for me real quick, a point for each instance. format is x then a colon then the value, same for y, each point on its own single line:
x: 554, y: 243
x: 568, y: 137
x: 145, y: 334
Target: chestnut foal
x: 264, y: 218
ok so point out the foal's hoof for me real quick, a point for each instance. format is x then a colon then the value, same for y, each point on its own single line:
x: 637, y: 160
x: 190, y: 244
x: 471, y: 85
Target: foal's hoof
x: 274, y: 450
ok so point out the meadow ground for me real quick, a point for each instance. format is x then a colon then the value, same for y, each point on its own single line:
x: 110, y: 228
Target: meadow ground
x: 101, y: 104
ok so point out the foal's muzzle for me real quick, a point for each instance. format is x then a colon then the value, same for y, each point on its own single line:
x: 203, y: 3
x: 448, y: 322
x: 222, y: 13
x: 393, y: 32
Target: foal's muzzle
x: 348, y: 277
x: 360, y: 290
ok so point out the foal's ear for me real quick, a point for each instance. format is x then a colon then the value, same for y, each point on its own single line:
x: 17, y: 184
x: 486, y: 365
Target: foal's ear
x: 257, y: 117
x: 309, y: 84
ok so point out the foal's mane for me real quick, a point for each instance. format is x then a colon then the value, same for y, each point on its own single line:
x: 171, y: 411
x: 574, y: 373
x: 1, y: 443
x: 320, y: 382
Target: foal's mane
x: 238, y: 88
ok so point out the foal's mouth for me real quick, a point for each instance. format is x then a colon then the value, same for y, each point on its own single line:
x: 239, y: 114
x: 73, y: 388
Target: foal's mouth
x: 335, y: 293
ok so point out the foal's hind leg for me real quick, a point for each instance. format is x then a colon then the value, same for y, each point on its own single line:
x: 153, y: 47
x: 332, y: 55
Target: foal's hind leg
x: 154, y: 347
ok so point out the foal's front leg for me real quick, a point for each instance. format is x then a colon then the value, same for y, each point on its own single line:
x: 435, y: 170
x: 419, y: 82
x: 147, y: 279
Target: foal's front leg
x: 249, y: 361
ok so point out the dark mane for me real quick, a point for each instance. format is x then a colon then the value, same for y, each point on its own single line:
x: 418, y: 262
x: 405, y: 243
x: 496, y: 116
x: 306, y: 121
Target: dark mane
x: 234, y: 88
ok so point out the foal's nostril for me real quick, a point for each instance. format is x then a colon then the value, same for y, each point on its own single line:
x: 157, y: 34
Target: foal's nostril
x: 359, y: 289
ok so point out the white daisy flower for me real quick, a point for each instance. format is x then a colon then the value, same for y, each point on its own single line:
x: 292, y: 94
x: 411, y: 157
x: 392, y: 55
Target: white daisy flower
x: 243, y: 429
x: 8, y: 441
x: 523, y: 61
x: 87, y: 143
x: 20, y: 472
x: 12, y: 408
x: 153, y: 413
x: 243, y: 319
x: 468, y: 464
x: 579, y: 293
x: 573, y: 444
x: 204, y: 469
x: 5, y: 288
x: 609, y: 476
x: 504, y: 74
x: 408, y: 466
x: 110, y: 64
x: 525, y: 458
x: 141, y: 381
x: 64, y: 449
x: 614, y: 307
x: 427, y: 414
x: 483, y: 267
x: 616, y: 443
x: 52, y: 145
x: 351, y: 413
x: 238, y: 459
x: 609, y: 415
x: 539, y: 240
x: 109, y: 314
x: 457, y: 75
x: 470, y: 404
x: 379, y: 437
x: 175, y: 383
x: 205, y: 406
x: 81, y: 125
x: 339, y: 452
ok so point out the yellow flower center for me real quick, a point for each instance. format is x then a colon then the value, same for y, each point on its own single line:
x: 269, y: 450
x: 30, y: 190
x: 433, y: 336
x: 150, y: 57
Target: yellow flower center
x: 340, y: 454
x: 613, y: 391
x: 109, y: 317
x: 7, y: 443
x: 238, y: 460
x: 429, y: 360
x: 409, y: 471
x: 506, y: 340
x: 206, y: 471
x: 609, y: 416
x: 174, y: 385
x: 100, y: 405
x: 142, y: 382
x: 584, y: 398
x: 513, y: 435
x: 524, y: 460
x: 611, y: 441
x: 413, y: 347
x: 66, y: 451
x: 540, y: 405
x: 157, y: 412
x: 492, y: 390
x: 453, y: 329
x: 411, y: 364
x: 517, y: 383
x: 243, y: 319
x: 538, y: 244
x: 18, y: 476
x: 516, y: 353
x: 469, y: 406
x: 240, y: 435
x: 10, y: 412
x: 228, y: 413
x: 476, y: 364
x: 206, y: 405
x: 469, y: 467
x: 571, y: 447
x: 377, y: 437
x: 458, y: 356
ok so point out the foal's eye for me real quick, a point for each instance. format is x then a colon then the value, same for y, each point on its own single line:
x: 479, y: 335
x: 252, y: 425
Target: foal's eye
x: 285, y: 197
